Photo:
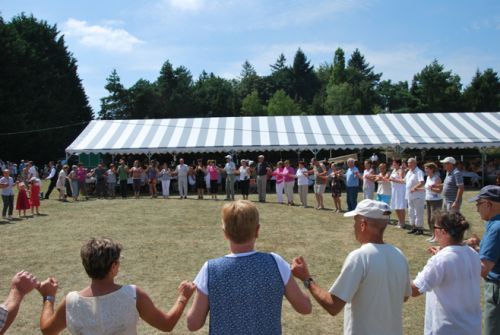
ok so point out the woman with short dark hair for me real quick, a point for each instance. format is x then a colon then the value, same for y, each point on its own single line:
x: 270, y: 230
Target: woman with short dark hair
x: 451, y: 280
x: 105, y: 307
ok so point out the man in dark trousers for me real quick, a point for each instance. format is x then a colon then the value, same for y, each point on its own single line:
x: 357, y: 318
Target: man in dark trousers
x: 53, y: 174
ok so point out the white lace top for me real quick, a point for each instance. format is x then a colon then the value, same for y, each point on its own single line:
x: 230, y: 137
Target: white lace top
x: 111, y: 314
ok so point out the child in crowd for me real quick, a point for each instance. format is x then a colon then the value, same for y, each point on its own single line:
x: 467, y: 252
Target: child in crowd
x: 336, y: 186
x: 35, y: 195
x: 22, y: 203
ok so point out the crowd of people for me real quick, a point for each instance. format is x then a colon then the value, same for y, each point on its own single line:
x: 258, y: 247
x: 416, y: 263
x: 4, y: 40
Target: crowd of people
x: 243, y: 291
x: 377, y: 274
x: 406, y: 187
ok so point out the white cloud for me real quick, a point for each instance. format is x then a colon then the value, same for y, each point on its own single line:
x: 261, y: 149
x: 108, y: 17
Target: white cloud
x: 187, y: 5
x: 104, y: 37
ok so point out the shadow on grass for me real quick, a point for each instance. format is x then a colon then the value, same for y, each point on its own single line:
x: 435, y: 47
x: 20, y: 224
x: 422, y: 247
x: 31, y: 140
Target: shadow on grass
x: 5, y: 222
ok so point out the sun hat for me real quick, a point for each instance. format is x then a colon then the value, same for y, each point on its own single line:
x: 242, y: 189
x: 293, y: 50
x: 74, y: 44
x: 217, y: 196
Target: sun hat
x: 450, y: 160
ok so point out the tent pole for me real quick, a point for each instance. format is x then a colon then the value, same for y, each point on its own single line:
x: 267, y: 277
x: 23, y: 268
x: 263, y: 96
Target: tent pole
x: 483, y: 165
x: 422, y: 154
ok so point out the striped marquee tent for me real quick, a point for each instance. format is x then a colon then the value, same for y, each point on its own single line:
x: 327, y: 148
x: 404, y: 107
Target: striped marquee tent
x: 314, y: 132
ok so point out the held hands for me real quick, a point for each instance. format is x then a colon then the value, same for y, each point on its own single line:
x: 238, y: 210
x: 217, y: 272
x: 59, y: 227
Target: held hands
x: 186, y: 289
x: 24, y: 282
x: 299, y: 268
x: 48, y: 287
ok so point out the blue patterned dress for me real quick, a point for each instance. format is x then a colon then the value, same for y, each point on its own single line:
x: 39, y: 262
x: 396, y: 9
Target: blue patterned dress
x: 245, y: 295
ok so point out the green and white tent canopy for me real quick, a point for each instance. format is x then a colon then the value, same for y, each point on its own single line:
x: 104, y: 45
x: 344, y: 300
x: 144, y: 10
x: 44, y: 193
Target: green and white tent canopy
x: 272, y: 133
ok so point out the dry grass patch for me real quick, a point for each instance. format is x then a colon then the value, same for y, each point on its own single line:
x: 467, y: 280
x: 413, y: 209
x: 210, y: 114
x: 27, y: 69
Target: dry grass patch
x: 167, y: 241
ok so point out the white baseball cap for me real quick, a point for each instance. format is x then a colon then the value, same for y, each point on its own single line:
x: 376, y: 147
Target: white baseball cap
x: 450, y: 160
x: 229, y: 157
x: 371, y: 209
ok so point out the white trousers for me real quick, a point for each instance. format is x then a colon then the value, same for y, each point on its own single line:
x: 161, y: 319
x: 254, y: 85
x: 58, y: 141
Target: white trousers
x: 279, y: 191
x: 165, y: 187
x: 183, y: 186
x: 416, y: 210
x: 303, y: 190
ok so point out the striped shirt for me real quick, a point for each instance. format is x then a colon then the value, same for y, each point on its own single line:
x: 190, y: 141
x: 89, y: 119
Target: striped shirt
x: 453, y: 180
x: 3, y: 316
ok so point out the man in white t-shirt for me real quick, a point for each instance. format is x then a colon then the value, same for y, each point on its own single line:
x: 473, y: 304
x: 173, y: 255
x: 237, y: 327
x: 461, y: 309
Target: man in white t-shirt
x: 374, y: 281
x: 415, y: 195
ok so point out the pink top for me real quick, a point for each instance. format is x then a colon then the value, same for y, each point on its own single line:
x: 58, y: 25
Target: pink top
x: 81, y: 174
x: 278, y: 173
x: 287, y: 171
x: 214, y: 174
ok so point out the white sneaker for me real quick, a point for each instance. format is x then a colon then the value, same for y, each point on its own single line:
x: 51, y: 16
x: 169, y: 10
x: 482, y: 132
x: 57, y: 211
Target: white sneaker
x: 10, y: 217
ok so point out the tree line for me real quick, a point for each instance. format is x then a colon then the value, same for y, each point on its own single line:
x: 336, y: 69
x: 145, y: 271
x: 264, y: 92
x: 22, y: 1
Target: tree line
x: 343, y: 86
x: 40, y: 90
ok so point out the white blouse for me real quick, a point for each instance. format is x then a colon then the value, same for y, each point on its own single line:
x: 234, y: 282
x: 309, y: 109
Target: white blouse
x: 113, y: 313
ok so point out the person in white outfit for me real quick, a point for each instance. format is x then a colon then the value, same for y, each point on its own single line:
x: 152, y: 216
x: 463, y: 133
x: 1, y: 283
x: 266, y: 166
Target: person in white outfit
x: 415, y: 195
x: 105, y: 307
x: 374, y: 281
x: 165, y: 177
x: 398, y: 202
x: 451, y: 280
x: 302, y: 176
x: 181, y: 172
x: 369, y: 177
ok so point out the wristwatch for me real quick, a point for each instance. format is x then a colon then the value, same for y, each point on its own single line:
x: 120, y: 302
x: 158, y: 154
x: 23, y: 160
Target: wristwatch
x: 307, y: 282
x: 49, y: 298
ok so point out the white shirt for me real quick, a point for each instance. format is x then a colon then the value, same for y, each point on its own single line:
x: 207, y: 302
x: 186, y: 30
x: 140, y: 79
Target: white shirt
x: 113, y: 313
x: 182, y: 170
x: 229, y: 168
x: 32, y: 172
x: 243, y: 173
x: 412, y: 178
x: 384, y: 187
x: 201, y: 279
x: 302, y: 179
x: 374, y: 282
x: 52, y: 173
x: 452, y: 280
x: 430, y: 195
x: 367, y: 183
x: 9, y: 190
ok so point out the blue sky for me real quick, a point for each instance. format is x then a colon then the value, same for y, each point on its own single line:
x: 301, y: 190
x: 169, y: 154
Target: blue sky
x: 398, y: 37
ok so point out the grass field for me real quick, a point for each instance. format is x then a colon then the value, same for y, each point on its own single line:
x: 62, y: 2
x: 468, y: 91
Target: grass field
x: 167, y: 241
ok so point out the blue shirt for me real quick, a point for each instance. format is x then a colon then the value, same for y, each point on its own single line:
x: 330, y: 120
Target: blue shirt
x: 10, y: 184
x: 350, y: 178
x: 490, y: 246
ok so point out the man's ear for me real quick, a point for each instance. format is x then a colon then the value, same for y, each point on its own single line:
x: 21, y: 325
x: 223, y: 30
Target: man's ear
x: 363, y: 224
x: 257, y: 231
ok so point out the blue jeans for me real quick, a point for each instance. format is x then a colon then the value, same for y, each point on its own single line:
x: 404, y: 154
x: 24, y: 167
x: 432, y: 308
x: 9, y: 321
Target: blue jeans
x: 352, y: 197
